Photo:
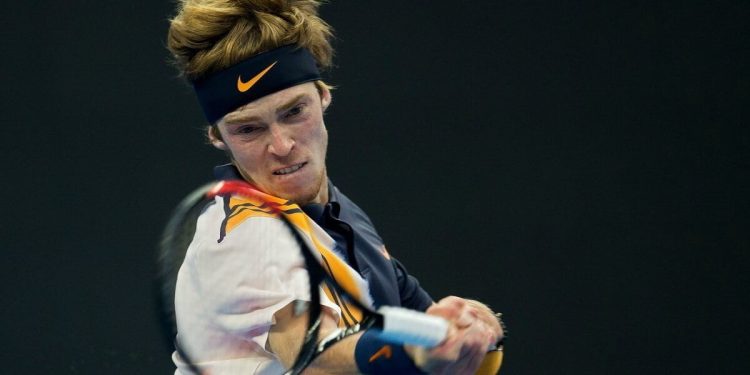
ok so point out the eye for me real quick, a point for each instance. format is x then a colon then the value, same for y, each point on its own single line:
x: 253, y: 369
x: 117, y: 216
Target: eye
x: 247, y: 129
x: 295, y: 111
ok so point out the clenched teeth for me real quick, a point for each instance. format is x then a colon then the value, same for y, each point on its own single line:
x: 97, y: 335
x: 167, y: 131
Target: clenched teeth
x: 289, y: 170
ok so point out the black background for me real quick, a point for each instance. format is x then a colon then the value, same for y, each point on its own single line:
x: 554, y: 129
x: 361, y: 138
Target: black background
x: 580, y: 166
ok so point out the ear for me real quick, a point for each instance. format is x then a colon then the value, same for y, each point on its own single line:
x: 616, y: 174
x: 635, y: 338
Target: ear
x: 325, y: 97
x: 215, y: 138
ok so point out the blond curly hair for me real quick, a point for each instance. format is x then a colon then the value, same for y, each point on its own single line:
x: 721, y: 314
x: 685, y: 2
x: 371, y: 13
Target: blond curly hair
x: 207, y: 36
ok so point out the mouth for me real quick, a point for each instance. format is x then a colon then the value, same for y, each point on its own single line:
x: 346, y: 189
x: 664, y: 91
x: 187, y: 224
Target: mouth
x: 289, y: 170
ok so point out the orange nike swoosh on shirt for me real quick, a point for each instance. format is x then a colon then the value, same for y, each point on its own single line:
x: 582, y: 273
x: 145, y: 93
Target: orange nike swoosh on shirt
x: 244, y: 86
x: 384, y: 351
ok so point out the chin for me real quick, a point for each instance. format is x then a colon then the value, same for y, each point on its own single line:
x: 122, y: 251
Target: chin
x: 302, y: 198
x: 301, y: 194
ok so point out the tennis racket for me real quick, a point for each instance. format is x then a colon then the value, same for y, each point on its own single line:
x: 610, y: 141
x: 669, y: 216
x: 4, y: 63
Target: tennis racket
x: 397, y: 325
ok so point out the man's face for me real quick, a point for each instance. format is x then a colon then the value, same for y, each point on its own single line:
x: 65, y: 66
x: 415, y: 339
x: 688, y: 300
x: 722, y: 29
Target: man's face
x: 279, y: 142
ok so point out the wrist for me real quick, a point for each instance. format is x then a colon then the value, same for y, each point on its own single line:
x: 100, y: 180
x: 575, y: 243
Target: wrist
x: 376, y: 356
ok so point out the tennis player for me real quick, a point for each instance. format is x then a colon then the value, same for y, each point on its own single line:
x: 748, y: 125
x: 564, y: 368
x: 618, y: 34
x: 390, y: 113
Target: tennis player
x: 255, y: 66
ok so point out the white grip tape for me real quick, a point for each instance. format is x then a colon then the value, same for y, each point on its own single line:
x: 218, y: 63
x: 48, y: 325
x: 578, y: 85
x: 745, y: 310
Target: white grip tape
x: 404, y: 326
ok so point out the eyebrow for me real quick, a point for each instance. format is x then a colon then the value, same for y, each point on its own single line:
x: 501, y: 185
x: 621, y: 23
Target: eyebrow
x: 291, y: 103
x: 242, y: 118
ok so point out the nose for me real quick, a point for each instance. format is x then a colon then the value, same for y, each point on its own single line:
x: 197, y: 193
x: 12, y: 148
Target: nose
x: 281, y: 142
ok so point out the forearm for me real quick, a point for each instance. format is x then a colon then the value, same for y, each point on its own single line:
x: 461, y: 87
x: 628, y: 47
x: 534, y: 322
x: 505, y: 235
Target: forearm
x: 366, y: 351
x: 338, y: 359
x: 287, y: 335
x: 473, y: 328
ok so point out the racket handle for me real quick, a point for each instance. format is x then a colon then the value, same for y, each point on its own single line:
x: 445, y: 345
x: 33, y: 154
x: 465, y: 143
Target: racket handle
x: 404, y: 326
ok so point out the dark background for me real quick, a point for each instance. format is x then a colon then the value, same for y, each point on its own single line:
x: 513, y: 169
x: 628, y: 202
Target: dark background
x: 580, y: 166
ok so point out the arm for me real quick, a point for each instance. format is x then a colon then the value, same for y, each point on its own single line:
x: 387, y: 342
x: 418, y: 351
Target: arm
x: 411, y: 293
x: 461, y: 352
x: 285, y: 340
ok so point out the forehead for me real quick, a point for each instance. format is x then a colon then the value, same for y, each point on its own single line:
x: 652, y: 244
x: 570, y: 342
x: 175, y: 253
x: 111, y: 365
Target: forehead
x: 273, y: 102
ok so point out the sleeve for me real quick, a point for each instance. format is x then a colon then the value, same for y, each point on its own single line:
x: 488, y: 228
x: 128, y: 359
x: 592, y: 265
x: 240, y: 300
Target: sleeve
x: 411, y: 293
x: 253, y: 272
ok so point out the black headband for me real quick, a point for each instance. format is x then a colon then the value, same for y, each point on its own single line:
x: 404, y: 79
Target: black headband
x: 256, y: 77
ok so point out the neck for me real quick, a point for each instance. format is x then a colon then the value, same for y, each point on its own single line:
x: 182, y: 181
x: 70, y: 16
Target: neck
x: 323, y: 194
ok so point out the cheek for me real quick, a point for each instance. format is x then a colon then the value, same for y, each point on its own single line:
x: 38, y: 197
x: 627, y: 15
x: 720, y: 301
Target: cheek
x: 322, y: 138
x: 314, y: 137
x: 248, y: 158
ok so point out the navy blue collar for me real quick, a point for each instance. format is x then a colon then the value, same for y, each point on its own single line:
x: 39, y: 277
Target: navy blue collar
x: 227, y: 172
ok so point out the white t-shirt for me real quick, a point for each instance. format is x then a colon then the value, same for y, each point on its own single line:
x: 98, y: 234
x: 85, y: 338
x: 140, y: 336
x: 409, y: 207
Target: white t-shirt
x: 228, y: 291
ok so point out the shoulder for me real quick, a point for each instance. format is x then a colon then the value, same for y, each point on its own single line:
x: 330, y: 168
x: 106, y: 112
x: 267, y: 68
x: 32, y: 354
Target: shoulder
x: 229, y: 233
x: 350, y: 211
x: 355, y: 216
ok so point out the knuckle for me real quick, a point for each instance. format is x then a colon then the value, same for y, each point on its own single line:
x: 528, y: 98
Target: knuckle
x: 455, y: 302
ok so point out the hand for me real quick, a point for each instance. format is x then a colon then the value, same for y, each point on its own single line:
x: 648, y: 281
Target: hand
x: 489, y: 317
x: 472, y: 329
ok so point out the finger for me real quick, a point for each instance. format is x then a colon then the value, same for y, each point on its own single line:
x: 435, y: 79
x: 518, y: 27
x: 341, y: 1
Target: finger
x: 448, y: 307
x: 445, y: 312
x: 472, y: 352
x: 485, y: 314
x: 449, y: 349
x: 476, y: 345
x: 467, y: 317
